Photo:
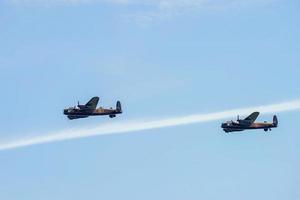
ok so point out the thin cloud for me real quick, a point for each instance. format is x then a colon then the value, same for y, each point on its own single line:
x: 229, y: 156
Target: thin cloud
x: 171, y: 8
x: 66, y: 2
x: 147, y: 10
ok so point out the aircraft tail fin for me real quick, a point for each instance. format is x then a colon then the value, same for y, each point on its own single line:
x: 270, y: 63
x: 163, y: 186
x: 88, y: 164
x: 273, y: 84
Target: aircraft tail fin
x: 275, y: 121
x: 119, y: 107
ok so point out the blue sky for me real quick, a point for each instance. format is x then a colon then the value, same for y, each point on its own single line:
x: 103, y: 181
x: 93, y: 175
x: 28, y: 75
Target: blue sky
x: 160, y: 58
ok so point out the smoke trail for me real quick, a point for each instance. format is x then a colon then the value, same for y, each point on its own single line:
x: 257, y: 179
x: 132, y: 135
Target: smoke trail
x: 132, y: 126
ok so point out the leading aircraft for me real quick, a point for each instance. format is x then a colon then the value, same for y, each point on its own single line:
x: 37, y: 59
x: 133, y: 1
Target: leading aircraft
x: 90, y: 109
x: 249, y: 123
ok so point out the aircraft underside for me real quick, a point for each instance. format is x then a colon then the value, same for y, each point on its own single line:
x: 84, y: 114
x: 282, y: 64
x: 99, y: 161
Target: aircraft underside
x: 78, y: 116
x: 227, y: 130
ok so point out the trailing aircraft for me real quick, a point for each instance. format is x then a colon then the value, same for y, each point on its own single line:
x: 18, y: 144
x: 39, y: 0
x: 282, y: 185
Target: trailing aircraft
x: 90, y: 109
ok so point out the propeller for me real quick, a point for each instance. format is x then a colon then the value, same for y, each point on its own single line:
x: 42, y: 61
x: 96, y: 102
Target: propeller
x: 238, y: 117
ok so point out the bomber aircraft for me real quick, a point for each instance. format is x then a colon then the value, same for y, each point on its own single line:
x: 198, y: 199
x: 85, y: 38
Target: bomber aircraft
x: 249, y: 123
x: 90, y: 109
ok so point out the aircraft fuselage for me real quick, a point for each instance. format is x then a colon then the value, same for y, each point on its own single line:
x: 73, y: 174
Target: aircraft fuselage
x: 83, y: 111
x: 235, y: 126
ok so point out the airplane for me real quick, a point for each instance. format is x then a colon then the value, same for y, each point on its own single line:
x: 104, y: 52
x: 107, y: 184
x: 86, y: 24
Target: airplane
x: 249, y: 123
x: 90, y: 109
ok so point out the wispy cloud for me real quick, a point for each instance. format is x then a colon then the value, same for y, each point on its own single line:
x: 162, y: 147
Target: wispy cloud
x: 147, y: 10
x: 134, y: 126
x: 165, y: 9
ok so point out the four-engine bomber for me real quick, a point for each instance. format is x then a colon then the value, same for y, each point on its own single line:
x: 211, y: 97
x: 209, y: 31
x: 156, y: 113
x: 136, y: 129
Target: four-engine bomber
x: 249, y: 123
x: 90, y: 109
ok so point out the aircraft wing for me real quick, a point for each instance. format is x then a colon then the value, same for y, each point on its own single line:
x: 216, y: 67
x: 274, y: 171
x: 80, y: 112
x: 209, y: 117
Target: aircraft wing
x: 92, y: 104
x: 252, y: 118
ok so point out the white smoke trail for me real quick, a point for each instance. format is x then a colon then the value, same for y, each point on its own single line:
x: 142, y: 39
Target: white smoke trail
x: 132, y: 126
